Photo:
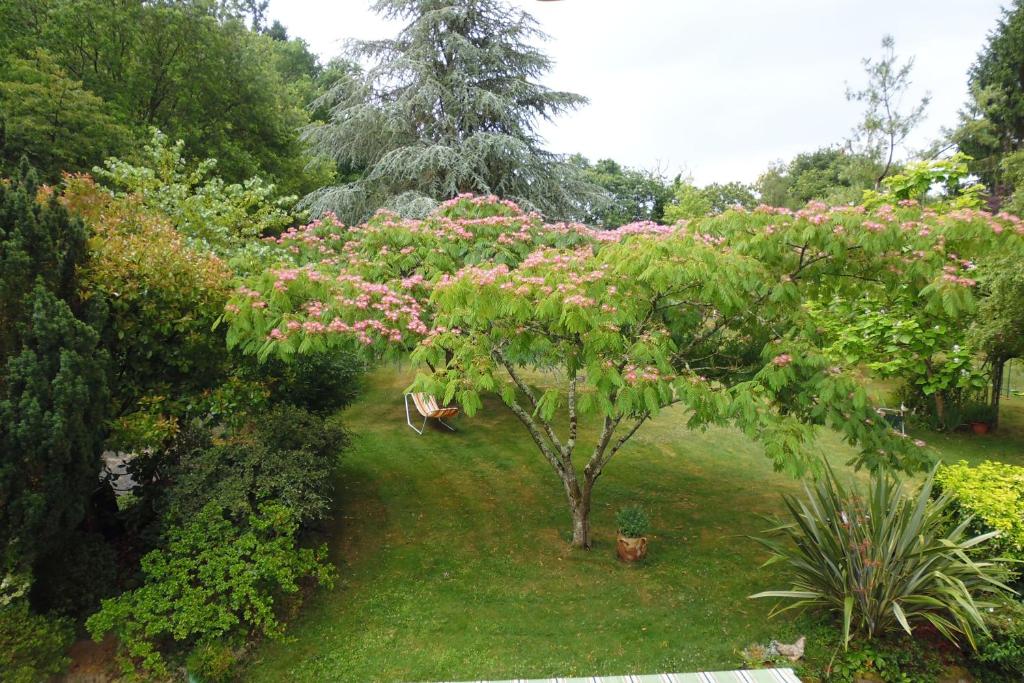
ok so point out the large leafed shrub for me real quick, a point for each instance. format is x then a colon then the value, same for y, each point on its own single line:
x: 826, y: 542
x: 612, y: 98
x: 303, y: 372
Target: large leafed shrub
x: 216, y: 579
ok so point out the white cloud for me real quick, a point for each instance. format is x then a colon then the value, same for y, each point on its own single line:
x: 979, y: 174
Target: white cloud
x: 718, y: 88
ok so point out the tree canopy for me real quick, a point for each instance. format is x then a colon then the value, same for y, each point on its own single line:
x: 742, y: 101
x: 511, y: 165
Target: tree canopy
x: 711, y: 314
x: 192, y: 69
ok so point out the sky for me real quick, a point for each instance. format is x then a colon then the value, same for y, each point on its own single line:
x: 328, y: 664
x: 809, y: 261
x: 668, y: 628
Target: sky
x: 714, y: 89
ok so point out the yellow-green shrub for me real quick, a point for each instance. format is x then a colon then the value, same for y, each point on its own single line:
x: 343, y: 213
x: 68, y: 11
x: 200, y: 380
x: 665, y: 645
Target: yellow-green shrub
x: 994, y: 493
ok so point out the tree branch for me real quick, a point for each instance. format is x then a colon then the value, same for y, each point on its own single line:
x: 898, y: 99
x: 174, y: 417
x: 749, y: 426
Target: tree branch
x: 525, y: 388
x: 538, y: 438
x: 570, y: 443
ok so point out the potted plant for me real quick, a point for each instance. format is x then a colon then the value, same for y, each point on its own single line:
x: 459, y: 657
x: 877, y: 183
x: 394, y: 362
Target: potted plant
x: 979, y: 416
x: 631, y: 544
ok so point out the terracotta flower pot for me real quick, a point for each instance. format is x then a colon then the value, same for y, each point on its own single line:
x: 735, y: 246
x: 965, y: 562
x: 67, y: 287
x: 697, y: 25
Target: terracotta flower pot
x: 631, y: 549
x: 979, y: 427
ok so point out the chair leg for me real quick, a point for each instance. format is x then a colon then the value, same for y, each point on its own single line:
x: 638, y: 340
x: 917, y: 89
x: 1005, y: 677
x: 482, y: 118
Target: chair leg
x: 408, y: 418
x: 446, y: 424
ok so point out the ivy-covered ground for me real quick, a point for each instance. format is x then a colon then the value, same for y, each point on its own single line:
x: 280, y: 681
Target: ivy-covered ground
x: 454, y: 562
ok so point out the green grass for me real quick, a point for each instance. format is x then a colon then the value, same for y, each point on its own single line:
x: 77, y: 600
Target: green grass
x: 454, y: 563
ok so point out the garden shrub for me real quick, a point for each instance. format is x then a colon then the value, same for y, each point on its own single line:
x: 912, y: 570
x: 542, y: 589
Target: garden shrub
x: 291, y: 428
x: 143, y: 429
x: 164, y: 298
x: 32, y: 646
x: 232, y: 403
x: 894, y: 661
x: 1003, y: 647
x: 202, y: 207
x: 321, y: 383
x: 883, y: 560
x: 989, y: 497
x: 288, y: 456
x: 213, y: 662
x: 216, y: 579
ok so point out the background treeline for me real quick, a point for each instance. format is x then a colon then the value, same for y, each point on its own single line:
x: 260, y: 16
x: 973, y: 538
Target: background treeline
x: 81, y: 80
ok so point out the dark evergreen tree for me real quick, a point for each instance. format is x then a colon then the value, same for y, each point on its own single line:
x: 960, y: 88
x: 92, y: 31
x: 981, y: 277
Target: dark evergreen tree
x: 53, y: 386
x: 992, y: 123
x: 449, y: 106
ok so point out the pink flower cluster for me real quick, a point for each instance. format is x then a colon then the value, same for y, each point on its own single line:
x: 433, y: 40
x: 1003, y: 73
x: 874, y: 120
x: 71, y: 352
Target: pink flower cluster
x: 480, y: 201
x: 634, y: 374
x: 949, y: 274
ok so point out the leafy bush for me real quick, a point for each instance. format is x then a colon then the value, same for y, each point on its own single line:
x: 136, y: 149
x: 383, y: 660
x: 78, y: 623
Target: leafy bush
x: 232, y: 403
x: 1003, y: 647
x: 988, y: 497
x: 288, y: 457
x: 291, y: 428
x: 32, y: 646
x: 898, y: 661
x: 632, y: 521
x: 321, y: 383
x: 140, y: 430
x: 215, y: 579
x: 212, y: 662
x: 164, y: 297
x: 222, y: 216
x: 977, y: 412
x: 883, y: 560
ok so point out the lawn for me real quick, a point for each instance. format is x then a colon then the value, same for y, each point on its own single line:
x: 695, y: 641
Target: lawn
x: 454, y: 563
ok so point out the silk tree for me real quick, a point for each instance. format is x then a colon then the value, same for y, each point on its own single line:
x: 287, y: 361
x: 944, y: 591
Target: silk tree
x: 712, y: 316
x: 448, y: 106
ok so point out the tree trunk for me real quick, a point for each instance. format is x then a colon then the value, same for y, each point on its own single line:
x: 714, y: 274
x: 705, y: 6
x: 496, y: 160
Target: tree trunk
x: 940, y: 411
x: 997, y: 387
x: 581, y: 523
x: 579, y: 509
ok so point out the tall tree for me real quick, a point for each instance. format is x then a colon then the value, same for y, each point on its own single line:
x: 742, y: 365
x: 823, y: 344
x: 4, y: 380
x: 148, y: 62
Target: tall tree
x: 449, y: 106
x: 712, y: 314
x: 52, y: 120
x: 998, y: 329
x: 193, y: 69
x: 885, y: 125
x: 829, y: 174
x: 689, y: 201
x: 992, y: 123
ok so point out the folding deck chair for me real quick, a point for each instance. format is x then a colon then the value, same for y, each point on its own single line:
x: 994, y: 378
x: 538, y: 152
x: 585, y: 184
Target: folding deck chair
x: 426, y: 405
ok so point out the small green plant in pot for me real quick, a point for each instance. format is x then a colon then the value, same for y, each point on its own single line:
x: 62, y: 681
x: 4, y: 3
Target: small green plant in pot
x: 631, y: 544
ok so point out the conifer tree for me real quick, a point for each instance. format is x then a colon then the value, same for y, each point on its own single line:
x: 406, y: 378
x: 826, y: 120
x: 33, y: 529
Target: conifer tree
x: 449, y: 106
x: 53, y: 386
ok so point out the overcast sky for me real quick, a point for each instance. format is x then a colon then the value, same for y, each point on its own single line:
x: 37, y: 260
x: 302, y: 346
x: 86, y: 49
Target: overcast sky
x: 717, y: 89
